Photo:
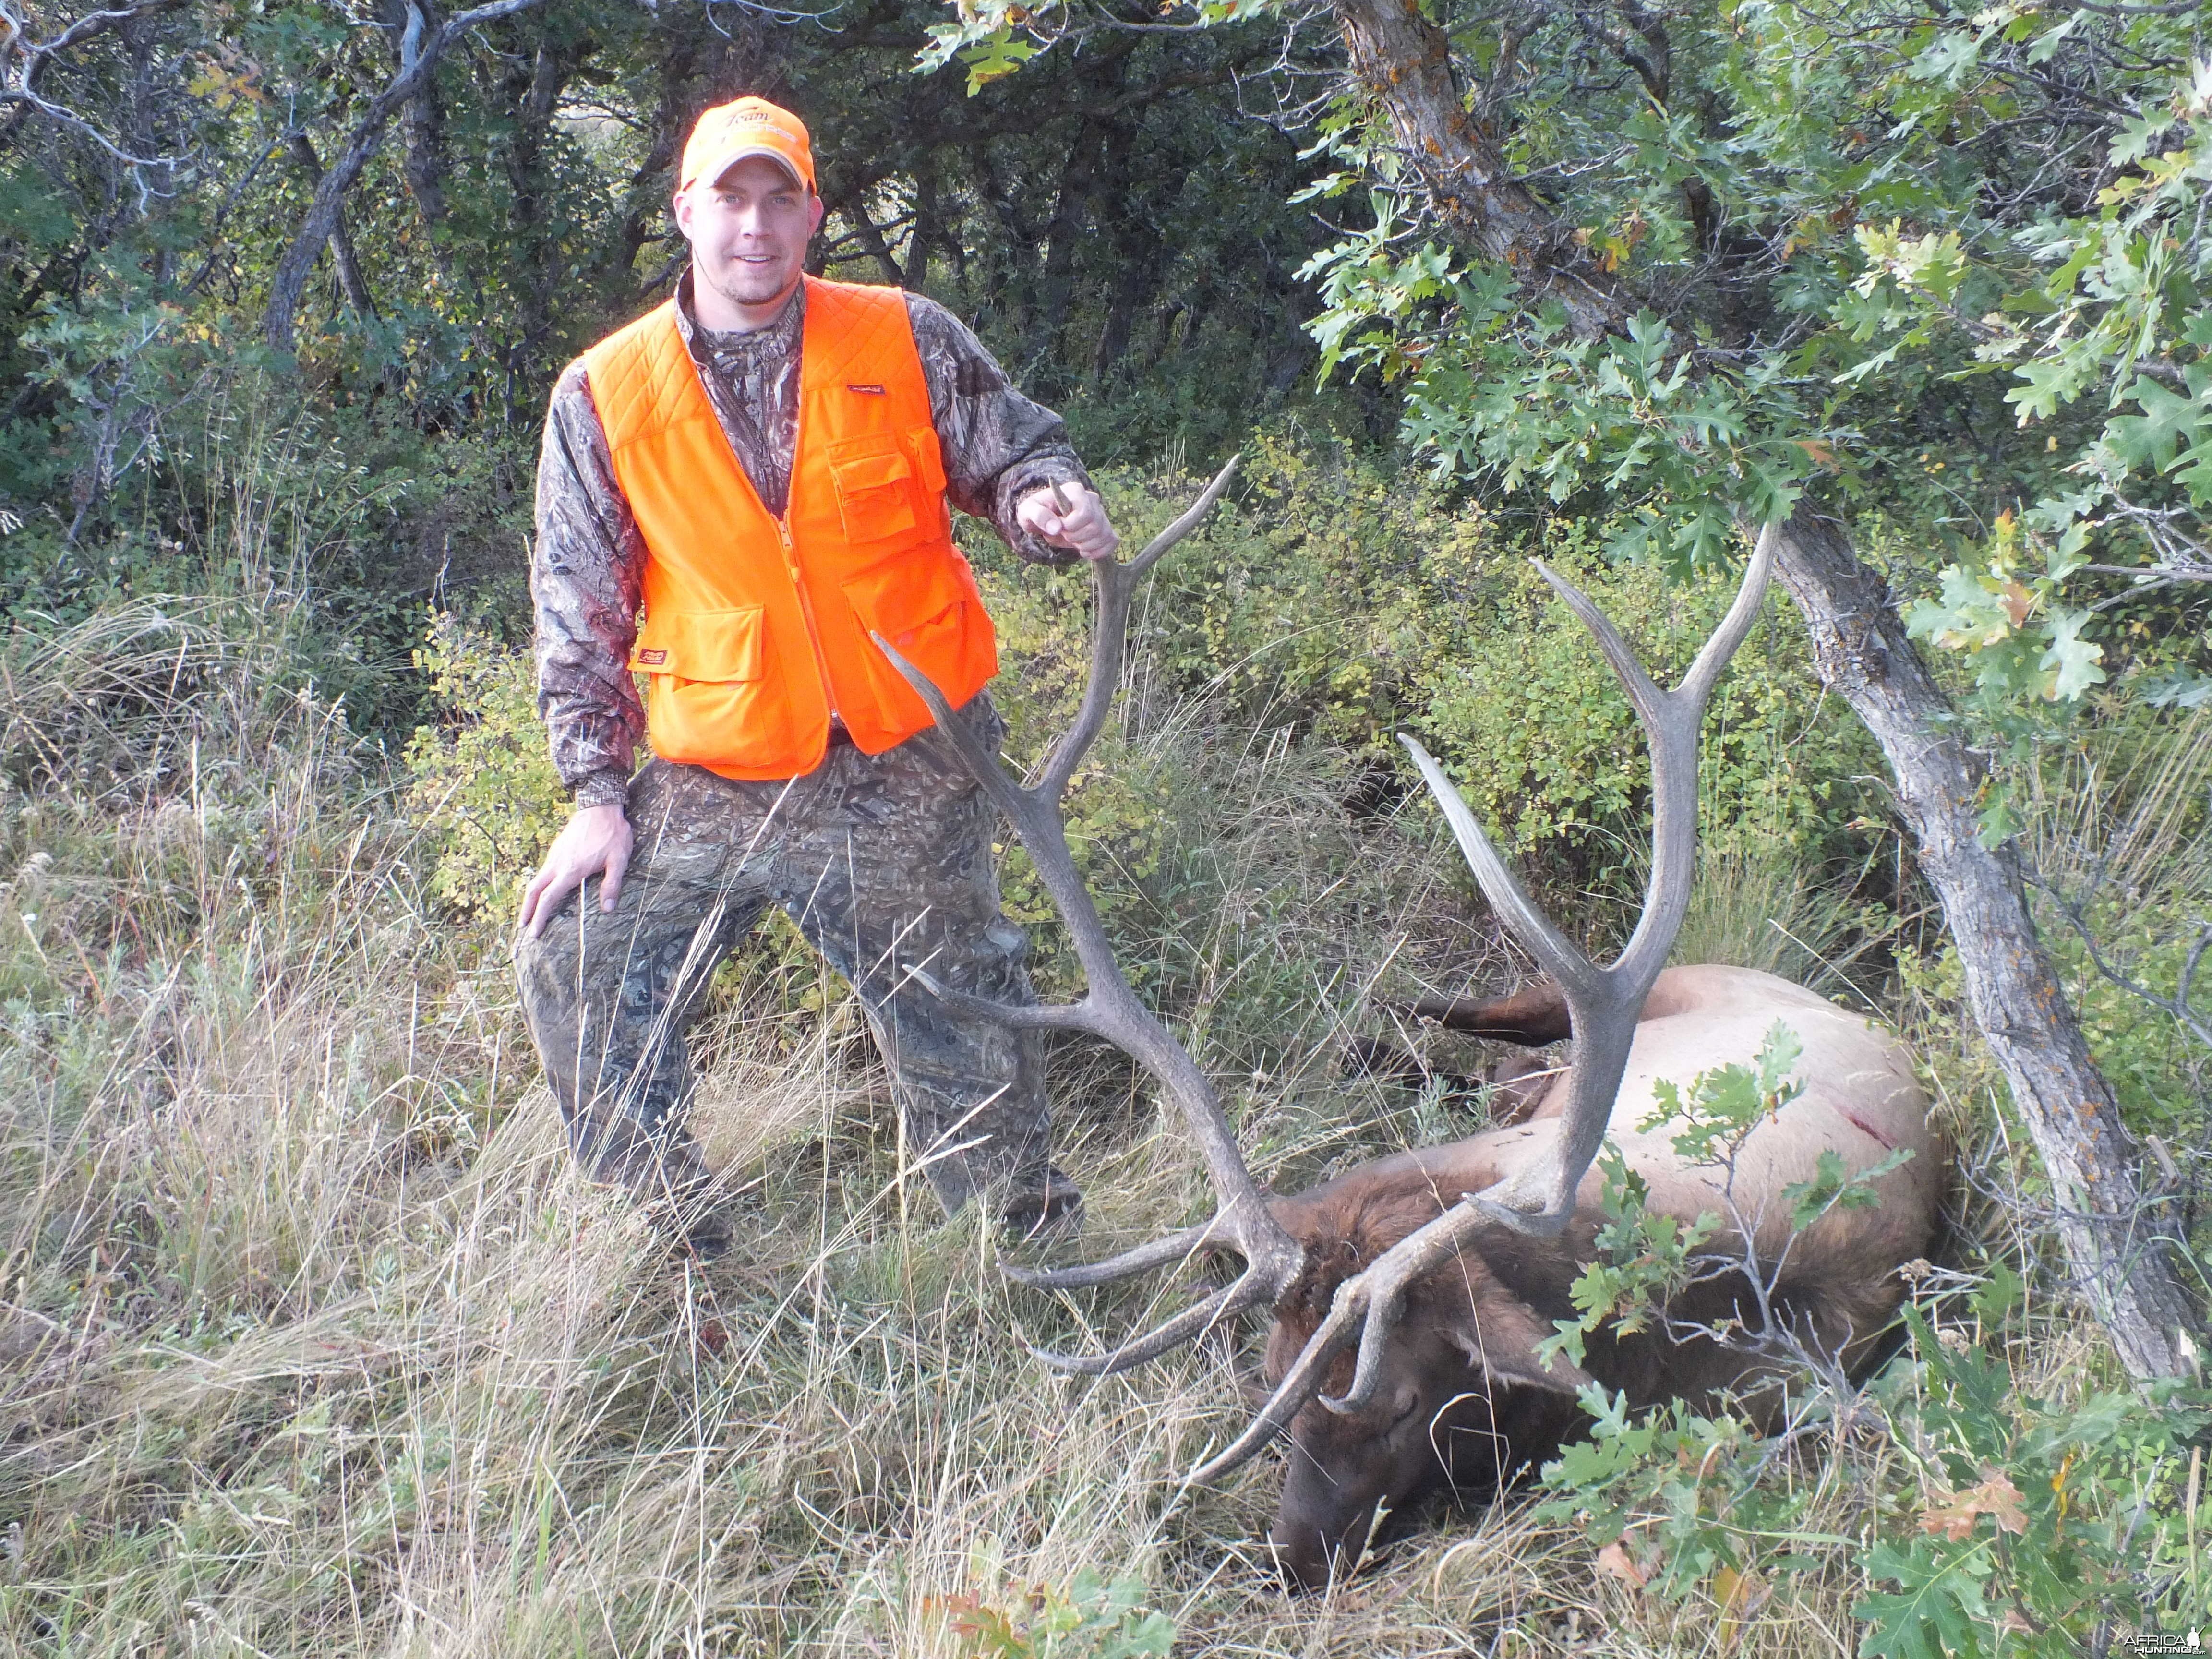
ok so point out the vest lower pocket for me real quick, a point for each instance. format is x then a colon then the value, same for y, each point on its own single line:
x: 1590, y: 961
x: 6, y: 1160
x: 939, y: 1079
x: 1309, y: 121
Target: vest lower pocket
x: 700, y: 645
x: 711, y: 700
x: 924, y: 602
x: 909, y: 599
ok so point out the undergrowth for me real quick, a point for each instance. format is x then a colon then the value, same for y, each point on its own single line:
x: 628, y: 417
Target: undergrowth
x: 314, y: 1342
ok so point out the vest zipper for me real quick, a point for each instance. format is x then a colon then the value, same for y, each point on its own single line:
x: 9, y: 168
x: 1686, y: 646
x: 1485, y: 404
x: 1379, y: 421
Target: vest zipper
x: 807, y: 611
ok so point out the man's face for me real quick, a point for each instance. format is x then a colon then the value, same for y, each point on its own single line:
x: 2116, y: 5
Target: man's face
x: 748, y: 231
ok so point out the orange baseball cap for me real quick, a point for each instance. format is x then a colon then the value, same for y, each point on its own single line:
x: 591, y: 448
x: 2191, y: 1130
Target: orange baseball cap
x: 727, y: 133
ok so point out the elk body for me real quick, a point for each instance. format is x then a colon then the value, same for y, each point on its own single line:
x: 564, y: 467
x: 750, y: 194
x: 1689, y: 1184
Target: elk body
x: 1462, y: 1397
x: 1379, y: 1279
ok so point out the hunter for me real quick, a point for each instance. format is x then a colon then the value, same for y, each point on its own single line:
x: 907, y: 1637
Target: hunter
x: 763, y: 465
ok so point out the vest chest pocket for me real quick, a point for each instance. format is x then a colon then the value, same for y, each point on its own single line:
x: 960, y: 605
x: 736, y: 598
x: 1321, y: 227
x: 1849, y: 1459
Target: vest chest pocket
x: 876, y: 486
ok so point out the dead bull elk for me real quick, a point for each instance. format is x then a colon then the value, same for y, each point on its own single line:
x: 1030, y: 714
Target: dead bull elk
x: 1419, y: 1287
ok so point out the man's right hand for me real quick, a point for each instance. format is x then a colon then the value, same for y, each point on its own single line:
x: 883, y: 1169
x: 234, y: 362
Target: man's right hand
x: 595, y: 841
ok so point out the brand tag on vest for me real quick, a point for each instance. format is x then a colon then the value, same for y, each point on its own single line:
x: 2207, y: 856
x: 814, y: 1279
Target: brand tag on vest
x: 653, y: 658
x: 873, y: 391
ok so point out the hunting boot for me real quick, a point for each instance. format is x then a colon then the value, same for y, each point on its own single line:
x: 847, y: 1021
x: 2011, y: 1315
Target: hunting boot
x: 1048, y: 1208
x: 662, y: 1170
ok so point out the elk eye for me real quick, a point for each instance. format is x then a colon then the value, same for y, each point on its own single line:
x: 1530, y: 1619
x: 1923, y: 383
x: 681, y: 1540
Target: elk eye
x: 1408, y: 1403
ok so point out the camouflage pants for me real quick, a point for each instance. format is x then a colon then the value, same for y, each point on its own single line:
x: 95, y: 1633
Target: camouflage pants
x: 884, y: 863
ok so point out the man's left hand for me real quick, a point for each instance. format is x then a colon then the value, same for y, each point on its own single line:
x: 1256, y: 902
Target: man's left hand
x: 1083, y: 526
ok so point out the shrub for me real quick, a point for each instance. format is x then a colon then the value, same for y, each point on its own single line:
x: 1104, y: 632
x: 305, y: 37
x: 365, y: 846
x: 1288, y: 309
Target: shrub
x: 1090, y: 1618
x: 1333, y: 602
x: 1546, y: 747
x: 2042, y: 1520
x: 1990, y: 1516
x: 481, y: 784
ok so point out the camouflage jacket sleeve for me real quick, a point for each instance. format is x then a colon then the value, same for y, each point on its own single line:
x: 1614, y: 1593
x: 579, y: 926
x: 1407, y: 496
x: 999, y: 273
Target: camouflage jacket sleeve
x: 585, y: 576
x: 998, y: 445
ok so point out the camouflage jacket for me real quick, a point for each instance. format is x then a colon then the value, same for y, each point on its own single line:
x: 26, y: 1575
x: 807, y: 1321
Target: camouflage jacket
x: 587, y: 570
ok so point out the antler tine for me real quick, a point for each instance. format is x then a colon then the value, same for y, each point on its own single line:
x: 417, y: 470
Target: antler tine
x: 1109, y: 1009
x: 1644, y: 695
x: 1603, y: 1002
x: 1114, y: 583
x: 1699, y: 681
x: 1380, y: 1297
x: 1031, y: 1015
x: 1305, y: 1379
x: 1158, y: 547
x: 1251, y: 1288
x: 1560, y: 957
x: 1372, y: 1299
x: 1012, y: 799
x: 1671, y: 729
x: 1159, y: 1253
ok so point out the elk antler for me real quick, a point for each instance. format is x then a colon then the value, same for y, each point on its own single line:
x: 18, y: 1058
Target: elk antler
x: 1109, y: 1008
x: 1603, y: 1004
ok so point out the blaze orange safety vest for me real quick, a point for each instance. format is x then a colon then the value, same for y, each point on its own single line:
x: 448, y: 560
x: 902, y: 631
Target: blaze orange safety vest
x: 757, y: 628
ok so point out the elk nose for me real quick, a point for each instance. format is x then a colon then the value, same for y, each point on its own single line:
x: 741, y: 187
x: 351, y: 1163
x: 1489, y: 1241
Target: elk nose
x: 1303, y: 1555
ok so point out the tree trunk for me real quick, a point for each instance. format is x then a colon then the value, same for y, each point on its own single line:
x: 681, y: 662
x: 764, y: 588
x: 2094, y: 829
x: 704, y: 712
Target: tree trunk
x: 2117, y: 1246
x: 1405, y: 63
x: 424, y: 167
x: 315, y: 226
x: 852, y: 205
x: 928, y: 221
x: 1139, y: 257
x: 1064, y: 232
x: 351, y: 282
x: 647, y: 201
x: 533, y: 95
x: 1020, y: 274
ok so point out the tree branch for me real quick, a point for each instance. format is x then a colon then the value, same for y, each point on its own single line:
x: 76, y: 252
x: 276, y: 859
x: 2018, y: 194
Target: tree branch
x: 322, y: 215
x: 30, y: 57
x: 1404, y: 61
x: 351, y: 282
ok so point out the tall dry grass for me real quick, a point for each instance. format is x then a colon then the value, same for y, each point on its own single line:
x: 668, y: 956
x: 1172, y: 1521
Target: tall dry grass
x: 312, y: 1342
x: 316, y: 1345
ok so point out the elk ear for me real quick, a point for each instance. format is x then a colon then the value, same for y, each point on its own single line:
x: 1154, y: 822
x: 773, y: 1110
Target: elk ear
x: 1499, y: 1332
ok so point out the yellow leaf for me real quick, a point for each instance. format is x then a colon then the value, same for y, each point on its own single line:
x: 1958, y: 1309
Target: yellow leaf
x: 1740, y: 1595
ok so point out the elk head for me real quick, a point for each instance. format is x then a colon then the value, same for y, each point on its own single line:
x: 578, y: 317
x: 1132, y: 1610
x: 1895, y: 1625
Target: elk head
x: 1458, y: 1386
x: 1438, y: 1347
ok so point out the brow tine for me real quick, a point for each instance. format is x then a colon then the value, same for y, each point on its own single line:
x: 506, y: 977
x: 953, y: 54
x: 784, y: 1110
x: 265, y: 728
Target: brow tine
x: 1157, y: 1253
x: 1193, y: 1323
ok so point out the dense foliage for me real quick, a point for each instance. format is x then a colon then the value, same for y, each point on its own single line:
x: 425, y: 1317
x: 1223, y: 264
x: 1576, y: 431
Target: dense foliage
x: 1118, y: 226
x: 1942, y: 262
